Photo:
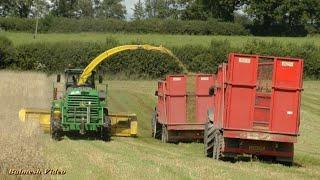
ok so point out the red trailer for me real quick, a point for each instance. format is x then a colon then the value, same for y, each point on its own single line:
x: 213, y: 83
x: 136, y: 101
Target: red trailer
x: 181, y: 109
x: 256, y: 108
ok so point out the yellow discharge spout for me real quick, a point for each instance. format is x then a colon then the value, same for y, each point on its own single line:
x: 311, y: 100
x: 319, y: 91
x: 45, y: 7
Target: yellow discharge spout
x: 88, y: 70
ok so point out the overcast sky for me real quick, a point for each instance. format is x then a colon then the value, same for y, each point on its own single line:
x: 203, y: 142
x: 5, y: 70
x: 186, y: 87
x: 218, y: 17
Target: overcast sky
x: 129, y: 5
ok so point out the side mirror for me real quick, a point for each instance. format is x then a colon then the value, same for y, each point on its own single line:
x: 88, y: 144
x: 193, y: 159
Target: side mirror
x: 100, y: 79
x: 212, y: 90
x: 156, y: 93
x: 58, y: 78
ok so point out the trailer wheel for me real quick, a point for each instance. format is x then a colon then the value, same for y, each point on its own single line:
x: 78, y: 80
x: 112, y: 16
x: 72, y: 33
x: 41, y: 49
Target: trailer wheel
x: 217, y: 147
x: 156, y: 126
x: 285, y: 161
x: 208, y: 139
x: 208, y: 136
x: 164, y: 134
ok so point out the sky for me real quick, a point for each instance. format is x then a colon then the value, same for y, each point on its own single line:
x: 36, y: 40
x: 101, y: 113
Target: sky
x: 129, y: 6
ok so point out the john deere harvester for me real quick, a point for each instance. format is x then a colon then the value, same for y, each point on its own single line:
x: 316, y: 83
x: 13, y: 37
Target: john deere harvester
x: 80, y: 104
x: 80, y: 108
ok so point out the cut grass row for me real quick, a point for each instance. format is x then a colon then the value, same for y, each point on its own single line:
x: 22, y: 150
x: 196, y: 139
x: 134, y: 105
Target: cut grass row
x: 166, y: 40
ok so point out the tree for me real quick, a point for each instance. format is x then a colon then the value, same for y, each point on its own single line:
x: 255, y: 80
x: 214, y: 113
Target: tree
x: 194, y: 11
x: 40, y: 8
x: 85, y: 8
x: 162, y: 8
x: 271, y: 12
x: 19, y: 8
x: 220, y: 9
x: 112, y: 9
x: 138, y: 11
x: 65, y: 8
x: 150, y: 8
x: 311, y: 12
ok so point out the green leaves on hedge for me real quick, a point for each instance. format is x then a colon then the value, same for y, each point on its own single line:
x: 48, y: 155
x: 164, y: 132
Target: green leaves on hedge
x: 169, y: 26
x: 55, y: 57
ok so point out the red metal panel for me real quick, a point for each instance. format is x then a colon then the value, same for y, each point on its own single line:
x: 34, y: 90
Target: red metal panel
x: 240, y: 105
x: 160, y: 103
x: 285, y: 111
x: 176, y: 108
x: 242, y: 69
x: 286, y: 95
x: 203, y: 83
x: 172, y: 101
x: 176, y: 99
x: 219, y: 97
x: 176, y: 85
x: 262, y: 94
x: 259, y: 135
x: 240, y: 91
x: 203, y: 100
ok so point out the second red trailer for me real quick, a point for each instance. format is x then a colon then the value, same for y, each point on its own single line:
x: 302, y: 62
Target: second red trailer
x: 182, y: 106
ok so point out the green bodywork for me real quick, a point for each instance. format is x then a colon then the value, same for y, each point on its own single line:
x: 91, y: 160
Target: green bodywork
x: 82, y: 107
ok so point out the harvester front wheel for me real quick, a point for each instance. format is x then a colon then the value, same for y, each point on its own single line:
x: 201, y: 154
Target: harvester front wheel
x: 55, y: 130
x: 106, y: 130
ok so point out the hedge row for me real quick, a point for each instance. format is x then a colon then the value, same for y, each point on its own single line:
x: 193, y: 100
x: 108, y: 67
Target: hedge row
x: 66, y: 25
x: 55, y: 57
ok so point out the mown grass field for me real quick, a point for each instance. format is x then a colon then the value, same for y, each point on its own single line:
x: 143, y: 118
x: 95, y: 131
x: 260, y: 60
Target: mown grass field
x: 142, y: 157
x: 166, y: 40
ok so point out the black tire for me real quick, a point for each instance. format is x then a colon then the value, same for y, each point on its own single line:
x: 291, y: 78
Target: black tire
x: 106, y: 130
x: 156, y: 126
x: 164, y: 134
x: 153, y: 122
x: 208, y: 137
x: 217, y: 145
x: 55, y: 130
x: 284, y: 161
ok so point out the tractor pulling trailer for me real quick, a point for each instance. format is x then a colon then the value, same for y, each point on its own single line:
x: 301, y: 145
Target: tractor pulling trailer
x: 251, y: 106
x: 256, y: 108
